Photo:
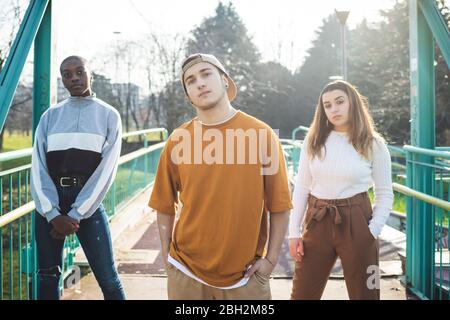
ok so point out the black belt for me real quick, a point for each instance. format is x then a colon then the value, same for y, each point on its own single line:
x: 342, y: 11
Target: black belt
x: 70, y: 181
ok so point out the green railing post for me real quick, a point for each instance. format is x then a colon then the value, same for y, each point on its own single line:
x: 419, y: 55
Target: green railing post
x: 19, y: 245
x: 11, y: 242
x: 296, y: 152
x: 422, y: 135
x: 41, y: 98
x: 34, y: 282
x: 42, y: 67
x: 145, y: 161
x: 113, y: 197
x: 1, y: 241
x: 411, y: 216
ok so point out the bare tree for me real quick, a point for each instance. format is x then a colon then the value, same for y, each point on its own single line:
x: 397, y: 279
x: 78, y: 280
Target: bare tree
x: 127, y: 62
x: 157, y: 79
x: 163, y: 73
x: 155, y: 58
x: 10, y: 19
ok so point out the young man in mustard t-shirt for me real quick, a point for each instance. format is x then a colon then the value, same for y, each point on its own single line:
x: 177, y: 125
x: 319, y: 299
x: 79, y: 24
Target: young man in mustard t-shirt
x: 221, y: 175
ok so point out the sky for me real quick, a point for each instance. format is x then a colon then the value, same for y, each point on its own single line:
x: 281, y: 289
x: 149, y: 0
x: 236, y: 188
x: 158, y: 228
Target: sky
x: 281, y: 29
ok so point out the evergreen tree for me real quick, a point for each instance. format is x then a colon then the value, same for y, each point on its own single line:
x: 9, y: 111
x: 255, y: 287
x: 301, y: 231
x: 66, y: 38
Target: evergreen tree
x: 322, y: 62
x: 225, y: 36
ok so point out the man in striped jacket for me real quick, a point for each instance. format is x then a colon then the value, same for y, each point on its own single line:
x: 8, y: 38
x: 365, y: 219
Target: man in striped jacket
x: 74, y: 162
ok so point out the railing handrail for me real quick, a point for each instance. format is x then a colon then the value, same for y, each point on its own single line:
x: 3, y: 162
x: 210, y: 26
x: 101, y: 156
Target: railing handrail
x: 292, y: 142
x: 14, y: 170
x: 30, y: 206
x: 428, y: 152
x: 17, y: 213
x: 396, y: 149
x: 421, y: 196
x: 299, y: 128
x: 398, y: 165
x: 16, y: 154
x: 136, y: 154
x: 303, y: 128
x: 142, y: 132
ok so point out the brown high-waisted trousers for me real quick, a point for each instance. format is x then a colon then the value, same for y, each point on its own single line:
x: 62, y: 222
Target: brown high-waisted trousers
x: 338, y: 228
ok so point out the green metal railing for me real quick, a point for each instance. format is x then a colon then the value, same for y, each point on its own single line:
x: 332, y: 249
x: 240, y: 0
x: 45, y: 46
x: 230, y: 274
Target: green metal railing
x: 14, y: 239
x: 136, y: 171
x: 16, y: 256
x: 428, y: 222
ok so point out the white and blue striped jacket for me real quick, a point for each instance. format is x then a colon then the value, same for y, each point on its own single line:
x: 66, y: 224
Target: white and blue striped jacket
x: 78, y: 136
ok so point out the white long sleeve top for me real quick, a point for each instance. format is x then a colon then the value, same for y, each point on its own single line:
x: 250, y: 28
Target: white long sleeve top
x: 343, y: 173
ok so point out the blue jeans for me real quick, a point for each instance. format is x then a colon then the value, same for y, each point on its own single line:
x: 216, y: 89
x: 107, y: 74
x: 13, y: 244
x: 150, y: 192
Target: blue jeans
x: 95, y: 239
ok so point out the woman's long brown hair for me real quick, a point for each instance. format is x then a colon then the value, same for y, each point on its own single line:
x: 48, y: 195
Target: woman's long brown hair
x: 361, y: 131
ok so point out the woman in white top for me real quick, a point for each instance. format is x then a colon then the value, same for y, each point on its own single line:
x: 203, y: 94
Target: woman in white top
x: 342, y: 157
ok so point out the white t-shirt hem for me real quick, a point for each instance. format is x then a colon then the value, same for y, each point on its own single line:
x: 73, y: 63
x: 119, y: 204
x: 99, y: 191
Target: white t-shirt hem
x: 183, y: 269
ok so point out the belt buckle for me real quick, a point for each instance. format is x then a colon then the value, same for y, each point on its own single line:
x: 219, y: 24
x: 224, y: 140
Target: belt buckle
x: 61, y: 183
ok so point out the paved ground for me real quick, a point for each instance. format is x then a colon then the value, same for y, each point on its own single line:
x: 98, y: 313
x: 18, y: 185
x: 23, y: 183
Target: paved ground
x: 136, y: 245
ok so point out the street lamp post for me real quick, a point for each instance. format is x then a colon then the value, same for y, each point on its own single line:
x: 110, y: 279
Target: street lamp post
x: 342, y: 17
x: 119, y: 91
x: 117, y: 33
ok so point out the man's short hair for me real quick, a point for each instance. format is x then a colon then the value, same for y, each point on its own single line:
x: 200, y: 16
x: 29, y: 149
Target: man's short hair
x: 74, y: 57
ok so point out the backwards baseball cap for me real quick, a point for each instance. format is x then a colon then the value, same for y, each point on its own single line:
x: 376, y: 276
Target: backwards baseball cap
x: 209, y: 58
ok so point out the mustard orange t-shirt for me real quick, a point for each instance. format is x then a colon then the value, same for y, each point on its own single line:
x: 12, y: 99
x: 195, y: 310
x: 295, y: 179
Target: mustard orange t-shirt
x: 223, y: 178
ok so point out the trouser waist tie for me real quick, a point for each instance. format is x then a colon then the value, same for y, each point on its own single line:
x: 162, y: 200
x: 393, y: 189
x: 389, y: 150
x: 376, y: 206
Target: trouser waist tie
x: 320, y: 208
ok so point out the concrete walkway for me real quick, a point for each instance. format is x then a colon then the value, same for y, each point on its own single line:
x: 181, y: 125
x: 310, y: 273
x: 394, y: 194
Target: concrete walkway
x: 137, y: 253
